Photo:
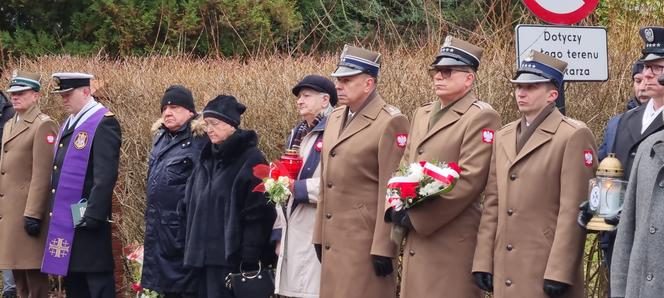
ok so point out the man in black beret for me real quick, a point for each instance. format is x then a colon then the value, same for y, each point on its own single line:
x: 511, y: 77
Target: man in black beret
x: 316, y: 98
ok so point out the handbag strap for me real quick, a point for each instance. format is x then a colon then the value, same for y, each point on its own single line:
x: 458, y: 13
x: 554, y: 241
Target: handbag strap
x: 245, y: 275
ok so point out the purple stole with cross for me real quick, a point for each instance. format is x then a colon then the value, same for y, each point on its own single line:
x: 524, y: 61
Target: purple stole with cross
x: 60, y: 239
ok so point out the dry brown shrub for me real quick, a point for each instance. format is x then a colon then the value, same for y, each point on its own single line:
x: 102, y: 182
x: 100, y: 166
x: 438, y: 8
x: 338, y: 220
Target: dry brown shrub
x: 133, y: 87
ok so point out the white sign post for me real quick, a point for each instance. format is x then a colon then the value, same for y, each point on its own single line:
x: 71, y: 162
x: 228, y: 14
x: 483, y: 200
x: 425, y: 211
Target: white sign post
x: 583, y: 48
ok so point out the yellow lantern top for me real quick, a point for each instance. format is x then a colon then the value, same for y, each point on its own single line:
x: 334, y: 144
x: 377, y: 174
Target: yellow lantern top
x: 610, y: 167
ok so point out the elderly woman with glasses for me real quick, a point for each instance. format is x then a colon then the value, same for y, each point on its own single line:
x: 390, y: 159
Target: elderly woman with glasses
x: 228, y: 225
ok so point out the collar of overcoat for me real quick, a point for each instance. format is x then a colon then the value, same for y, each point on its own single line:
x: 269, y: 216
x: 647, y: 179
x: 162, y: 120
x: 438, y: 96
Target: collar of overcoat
x: 658, y: 151
x: 634, y: 121
x: 542, y: 135
x: 15, y: 128
x: 450, y: 117
x: 187, y: 132
x: 360, y: 121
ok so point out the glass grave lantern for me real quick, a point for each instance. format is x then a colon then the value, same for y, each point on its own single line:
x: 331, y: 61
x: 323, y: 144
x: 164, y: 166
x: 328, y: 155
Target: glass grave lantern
x: 606, y: 193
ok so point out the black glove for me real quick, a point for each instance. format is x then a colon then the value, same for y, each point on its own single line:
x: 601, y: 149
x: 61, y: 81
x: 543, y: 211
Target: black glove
x: 555, y: 288
x: 484, y: 281
x: 319, y: 252
x: 613, y: 220
x: 382, y: 265
x: 584, y: 214
x: 401, y: 218
x: 89, y: 223
x: 32, y: 226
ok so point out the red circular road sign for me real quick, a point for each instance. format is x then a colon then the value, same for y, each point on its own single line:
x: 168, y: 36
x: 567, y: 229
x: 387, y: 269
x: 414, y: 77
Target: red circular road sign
x: 561, y: 12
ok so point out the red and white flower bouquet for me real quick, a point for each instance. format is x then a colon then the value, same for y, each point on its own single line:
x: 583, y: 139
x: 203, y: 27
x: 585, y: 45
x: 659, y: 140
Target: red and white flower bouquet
x: 419, y: 182
x: 277, y: 183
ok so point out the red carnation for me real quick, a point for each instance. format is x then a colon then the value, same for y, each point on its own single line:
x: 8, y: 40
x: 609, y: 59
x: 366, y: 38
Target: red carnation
x: 136, y: 287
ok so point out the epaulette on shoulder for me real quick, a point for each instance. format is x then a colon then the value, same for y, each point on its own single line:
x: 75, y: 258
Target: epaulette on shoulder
x: 427, y: 104
x: 392, y: 110
x: 44, y: 117
x: 109, y: 114
x: 482, y: 105
x: 573, y: 122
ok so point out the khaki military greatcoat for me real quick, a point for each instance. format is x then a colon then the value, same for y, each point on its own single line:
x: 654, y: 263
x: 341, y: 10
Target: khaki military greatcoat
x: 25, y: 173
x: 528, y: 231
x: 439, y: 250
x: 357, y: 161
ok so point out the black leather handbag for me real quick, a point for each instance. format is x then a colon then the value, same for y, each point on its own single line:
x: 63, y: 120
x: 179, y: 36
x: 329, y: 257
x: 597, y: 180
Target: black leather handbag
x: 252, y: 284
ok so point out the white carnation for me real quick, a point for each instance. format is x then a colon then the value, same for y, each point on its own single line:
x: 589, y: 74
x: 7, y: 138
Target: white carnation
x: 284, y: 180
x: 415, y: 171
x: 430, y: 189
x: 269, y: 183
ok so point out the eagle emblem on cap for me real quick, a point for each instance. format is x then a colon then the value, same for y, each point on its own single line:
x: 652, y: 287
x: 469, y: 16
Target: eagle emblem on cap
x: 529, y: 56
x: 650, y: 35
x: 56, y: 80
x: 343, y: 53
x: 448, y: 41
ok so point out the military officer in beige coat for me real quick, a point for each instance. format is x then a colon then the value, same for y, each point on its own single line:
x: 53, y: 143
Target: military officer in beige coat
x: 362, y: 145
x: 529, y: 244
x: 25, y: 172
x: 457, y: 127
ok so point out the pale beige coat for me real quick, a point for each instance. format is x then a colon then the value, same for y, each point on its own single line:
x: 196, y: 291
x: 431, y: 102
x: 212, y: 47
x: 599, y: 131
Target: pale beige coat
x: 25, y: 172
x: 438, y: 254
x: 528, y: 231
x: 356, y: 164
x: 298, y: 268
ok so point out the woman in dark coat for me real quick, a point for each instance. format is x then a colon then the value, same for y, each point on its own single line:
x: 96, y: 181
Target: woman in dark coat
x: 227, y: 223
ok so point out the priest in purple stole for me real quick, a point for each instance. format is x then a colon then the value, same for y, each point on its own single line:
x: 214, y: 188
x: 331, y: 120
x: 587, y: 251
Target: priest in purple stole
x: 85, y: 169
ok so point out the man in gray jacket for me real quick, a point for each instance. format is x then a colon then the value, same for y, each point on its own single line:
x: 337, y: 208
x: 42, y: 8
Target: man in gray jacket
x: 637, y: 269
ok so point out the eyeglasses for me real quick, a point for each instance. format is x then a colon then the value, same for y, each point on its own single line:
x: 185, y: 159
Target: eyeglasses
x: 444, y: 72
x: 212, y: 123
x: 654, y: 68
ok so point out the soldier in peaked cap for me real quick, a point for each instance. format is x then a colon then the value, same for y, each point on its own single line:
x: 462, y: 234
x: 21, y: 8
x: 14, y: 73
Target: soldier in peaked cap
x: 456, y: 127
x: 637, y: 266
x: 529, y: 244
x: 85, y: 170
x: 362, y: 145
x: 27, y: 154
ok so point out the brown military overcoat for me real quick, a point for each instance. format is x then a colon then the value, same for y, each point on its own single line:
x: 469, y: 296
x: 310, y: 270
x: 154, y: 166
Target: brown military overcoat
x: 528, y: 231
x: 25, y: 172
x: 357, y: 161
x: 439, y: 251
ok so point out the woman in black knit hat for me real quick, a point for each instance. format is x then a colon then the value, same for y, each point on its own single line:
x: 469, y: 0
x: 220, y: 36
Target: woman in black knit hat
x: 227, y: 224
